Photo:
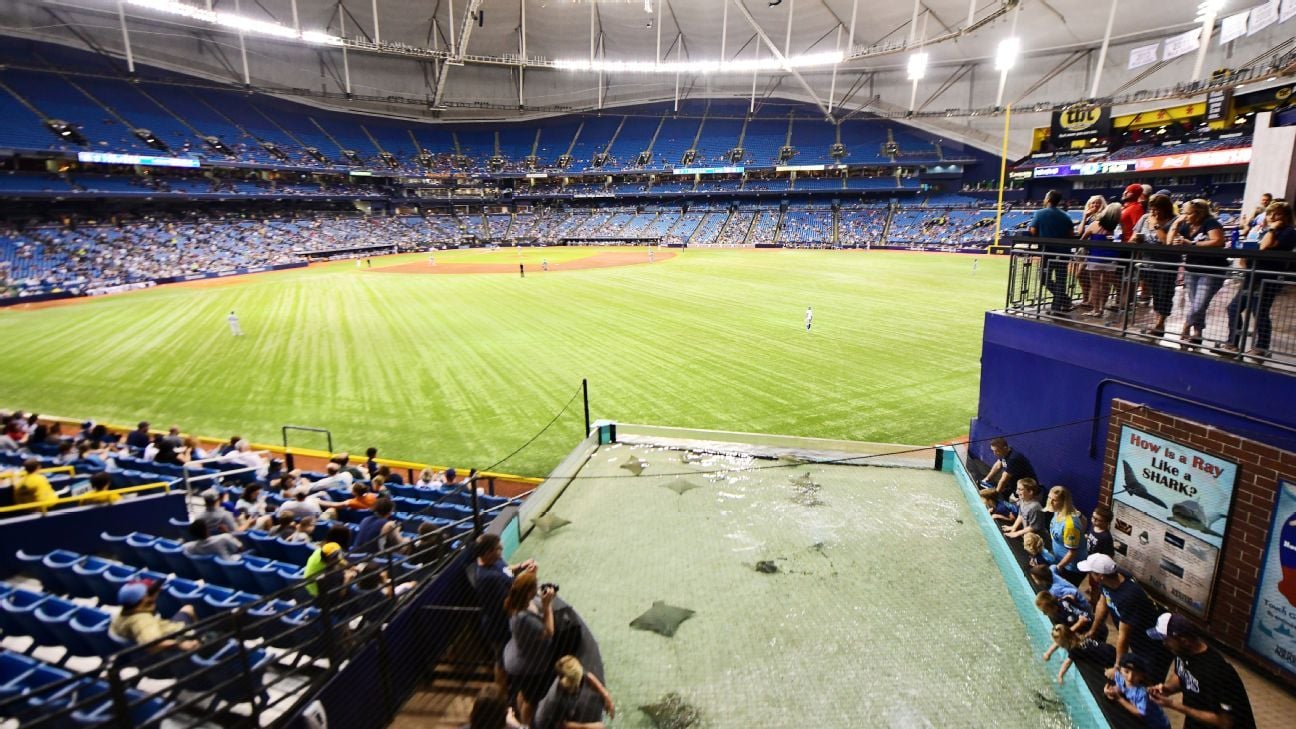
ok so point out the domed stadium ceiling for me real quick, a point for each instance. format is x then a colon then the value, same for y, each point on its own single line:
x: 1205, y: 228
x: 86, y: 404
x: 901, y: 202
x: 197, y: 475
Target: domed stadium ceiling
x: 479, y: 59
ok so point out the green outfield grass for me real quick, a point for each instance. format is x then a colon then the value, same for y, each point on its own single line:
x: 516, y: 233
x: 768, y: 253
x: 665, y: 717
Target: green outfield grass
x: 461, y: 370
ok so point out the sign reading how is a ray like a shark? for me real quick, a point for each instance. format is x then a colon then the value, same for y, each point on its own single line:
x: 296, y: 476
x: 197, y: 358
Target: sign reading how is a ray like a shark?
x: 1174, y: 484
x: 1170, y: 505
x: 1273, y: 617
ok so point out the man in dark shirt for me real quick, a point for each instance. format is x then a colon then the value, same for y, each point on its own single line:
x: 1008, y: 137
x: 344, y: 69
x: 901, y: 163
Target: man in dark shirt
x: 1001, y: 482
x: 492, y: 579
x: 1050, y: 222
x: 1213, y: 694
x: 379, y: 531
x: 1133, y: 611
x: 139, y: 438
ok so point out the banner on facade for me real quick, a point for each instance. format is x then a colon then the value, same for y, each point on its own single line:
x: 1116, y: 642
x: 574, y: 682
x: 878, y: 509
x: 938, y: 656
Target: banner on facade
x: 1170, y: 506
x: 1146, y: 55
x: 1178, y: 45
x: 1081, y: 121
x: 1273, y: 616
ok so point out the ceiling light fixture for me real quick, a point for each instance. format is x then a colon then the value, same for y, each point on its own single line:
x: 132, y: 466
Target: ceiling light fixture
x: 1006, y: 56
x: 235, y: 22
x: 701, y: 67
x: 917, y: 66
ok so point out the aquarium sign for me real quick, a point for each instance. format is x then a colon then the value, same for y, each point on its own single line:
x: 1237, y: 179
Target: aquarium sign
x: 1273, y: 616
x: 1170, y: 507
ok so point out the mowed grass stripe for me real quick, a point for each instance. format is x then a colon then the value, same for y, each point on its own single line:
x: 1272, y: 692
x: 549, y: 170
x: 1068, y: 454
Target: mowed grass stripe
x: 462, y: 369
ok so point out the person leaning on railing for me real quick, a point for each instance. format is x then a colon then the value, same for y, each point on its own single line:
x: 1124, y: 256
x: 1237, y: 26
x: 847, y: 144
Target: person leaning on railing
x: 1279, y: 235
x: 32, y: 487
x: 1197, y: 227
x: 1154, y: 229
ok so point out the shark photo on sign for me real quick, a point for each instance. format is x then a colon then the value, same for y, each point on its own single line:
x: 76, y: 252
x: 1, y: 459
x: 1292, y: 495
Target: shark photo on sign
x: 1182, y: 487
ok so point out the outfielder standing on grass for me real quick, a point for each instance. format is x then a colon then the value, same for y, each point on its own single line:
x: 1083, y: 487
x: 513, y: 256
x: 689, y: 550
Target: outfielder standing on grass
x: 809, y: 317
x: 234, y: 324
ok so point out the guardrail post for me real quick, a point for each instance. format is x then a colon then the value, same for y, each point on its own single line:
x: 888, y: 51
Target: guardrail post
x: 117, y: 690
x: 240, y: 615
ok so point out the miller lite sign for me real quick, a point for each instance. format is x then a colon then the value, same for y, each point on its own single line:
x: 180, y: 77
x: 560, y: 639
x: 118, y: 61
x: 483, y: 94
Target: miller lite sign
x: 1081, y: 121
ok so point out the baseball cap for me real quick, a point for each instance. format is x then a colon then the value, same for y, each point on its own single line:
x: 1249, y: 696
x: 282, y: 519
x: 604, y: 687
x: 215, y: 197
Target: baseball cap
x: 1170, y: 625
x: 450, y: 474
x: 131, y: 593
x: 1163, y: 192
x: 1097, y: 563
x: 211, y: 496
x: 1135, y: 662
x: 1133, y: 191
x: 328, y: 549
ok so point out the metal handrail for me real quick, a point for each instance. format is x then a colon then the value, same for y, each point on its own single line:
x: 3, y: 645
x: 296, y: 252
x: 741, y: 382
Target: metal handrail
x: 91, y: 496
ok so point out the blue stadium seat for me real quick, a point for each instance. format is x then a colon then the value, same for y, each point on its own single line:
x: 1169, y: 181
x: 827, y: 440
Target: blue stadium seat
x: 225, y: 672
x: 46, y: 622
x: 56, y: 573
x: 168, y: 555
x: 204, y: 565
x: 266, y: 620
x: 87, y: 572
x: 264, y: 544
x: 23, y: 675
x: 91, y: 628
x: 18, y: 610
x: 294, y: 552
x: 212, y: 599
x: 117, y: 546
x: 138, y: 549
x: 176, y: 593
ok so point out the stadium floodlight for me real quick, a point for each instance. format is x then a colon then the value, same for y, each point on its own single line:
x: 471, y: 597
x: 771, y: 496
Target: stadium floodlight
x: 1006, y: 56
x: 1209, y: 9
x: 917, y: 66
x: 233, y: 21
x: 806, y: 60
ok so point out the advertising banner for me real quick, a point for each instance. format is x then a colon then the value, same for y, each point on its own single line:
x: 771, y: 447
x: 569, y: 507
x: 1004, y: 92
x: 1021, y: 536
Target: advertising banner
x: 1273, y: 617
x: 1184, y: 43
x: 1233, y: 27
x: 1170, y: 505
x: 1263, y: 16
x: 1081, y: 122
x: 1145, y: 55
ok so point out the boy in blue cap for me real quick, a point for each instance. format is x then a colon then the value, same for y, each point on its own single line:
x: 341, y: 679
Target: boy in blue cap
x: 139, y: 622
x: 1129, y: 688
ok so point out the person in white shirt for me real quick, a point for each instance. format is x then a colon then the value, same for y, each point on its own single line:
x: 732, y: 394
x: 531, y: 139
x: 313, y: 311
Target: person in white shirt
x: 234, y: 324
x: 809, y: 317
x: 244, y: 456
x: 337, y: 478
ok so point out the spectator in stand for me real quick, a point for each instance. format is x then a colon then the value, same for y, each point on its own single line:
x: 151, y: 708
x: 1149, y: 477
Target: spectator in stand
x: 1067, y: 530
x: 1131, y: 609
x: 576, y: 699
x: 328, y: 565
x: 250, y: 509
x: 192, y: 451
x: 379, y: 531
x: 1128, y: 688
x: 302, y: 504
x: 1253, y: 223
x: 371, y: 463
x: 1030, y: 512
x: 1069, y: 613
x: 388, y: 476
x: 1279, y: 235
x: 362, y: 499
x: 1093, y: 209
x: 490, y: 710
x: 1099, y: 539
x: 527, y: 655
x: 100, y: 490
x: 202, y: 542
x: 138, y: 621
x: 173, y: 438
x: 1050, y: 222
x: 139, y: 439
x: 337, y: 478
x: 429, y: 479
x: 1076, y: 646
x: 1160, y: 276
x: 32, y: 487
x: 1103, y: 277
x: 492, y: 579
x: 1132, y: 211
x: 1046, y: 577
x: 244, y: 457
x: 89, y: 458
x: 216, y: 517
x: 1000, y: 484
x: 1033, y: 545
x: 1196, y: 227
x: 1213, y: 694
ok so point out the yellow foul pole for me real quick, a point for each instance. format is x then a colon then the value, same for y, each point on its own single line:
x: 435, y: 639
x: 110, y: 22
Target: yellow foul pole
x: 1003, y: 174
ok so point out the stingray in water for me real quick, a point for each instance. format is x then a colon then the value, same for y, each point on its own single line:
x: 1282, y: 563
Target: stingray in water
x: 679, y: 486
x: 549, y: 523
x: 672, y: 712
x: 634, y: 465
x: 1134, y: 488
x: 767, y: 567
x: 1190, y: 514
x: 662, y: 619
